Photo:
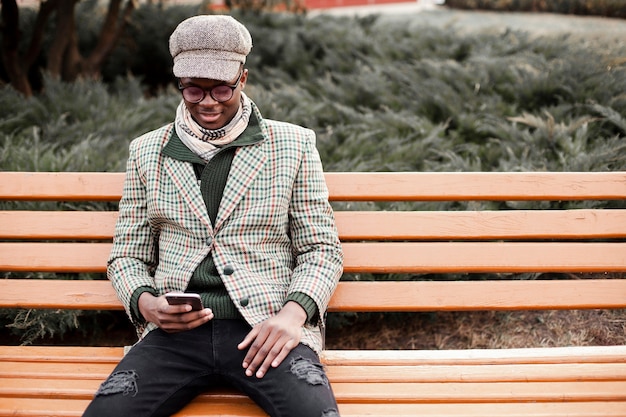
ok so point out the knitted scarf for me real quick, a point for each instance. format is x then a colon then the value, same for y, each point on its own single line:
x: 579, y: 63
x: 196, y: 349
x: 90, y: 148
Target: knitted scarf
x: 204, y: 142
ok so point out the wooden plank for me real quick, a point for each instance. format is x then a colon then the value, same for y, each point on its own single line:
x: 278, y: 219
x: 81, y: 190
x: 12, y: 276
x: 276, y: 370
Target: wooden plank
x: 370, y: 373
x: 60, y: 387
x: 474, y: 257
x: 70, y: 354
x: 546, y: 355
x: 362, y: 295
x: 468, y: 392
x: 353, y: 225
x: 417, y: 392
x: 70, y: 408
x: 557, y: 409
x: 59, y: 294
x: 67, y: 225
x: 514, y: 224
x: 478, y: 373
x: 355, y: 186
x: 198, y: 408
x: 65, y: 186
x: 479, y: 295
x: 54, y: 257
x: 369, y: 257
x: 458, y: 186
x: 32, y: 370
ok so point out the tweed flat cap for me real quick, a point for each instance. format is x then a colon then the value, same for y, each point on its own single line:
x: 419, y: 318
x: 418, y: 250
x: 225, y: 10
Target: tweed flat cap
x: 209, y: 46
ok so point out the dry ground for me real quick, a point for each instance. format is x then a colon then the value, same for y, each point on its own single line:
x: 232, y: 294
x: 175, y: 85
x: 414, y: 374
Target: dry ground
x: 488, y: 330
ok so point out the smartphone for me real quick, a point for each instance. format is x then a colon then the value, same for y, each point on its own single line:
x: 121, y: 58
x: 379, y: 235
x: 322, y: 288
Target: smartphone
x: 178, y: 298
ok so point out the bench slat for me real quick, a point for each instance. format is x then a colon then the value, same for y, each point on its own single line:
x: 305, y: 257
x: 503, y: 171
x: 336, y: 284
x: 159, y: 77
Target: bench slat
x: 391, y: 392
x: 479, y: 295
x: 96, y: 225
x: 74, y: 408
x: 518, y: 224
x: 372, y: 373
x: 197, y: 408
x: 556, y: 409
x: 471, y: 257
x: 354, y: 225
x: 61, y: 186
x: 354, y: 186
x: 455, y: 186
x: 361, y: 296
x: 548, y: 355
x: 369, y: 257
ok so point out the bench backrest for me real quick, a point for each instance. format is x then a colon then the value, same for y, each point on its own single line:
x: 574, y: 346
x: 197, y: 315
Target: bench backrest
x: 415, y: 240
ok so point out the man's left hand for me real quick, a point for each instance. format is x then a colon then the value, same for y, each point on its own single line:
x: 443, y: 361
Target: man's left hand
x: 271, y: 341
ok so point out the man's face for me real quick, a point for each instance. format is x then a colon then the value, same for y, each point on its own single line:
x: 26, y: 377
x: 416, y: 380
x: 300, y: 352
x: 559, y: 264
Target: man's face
x: 208, y: 112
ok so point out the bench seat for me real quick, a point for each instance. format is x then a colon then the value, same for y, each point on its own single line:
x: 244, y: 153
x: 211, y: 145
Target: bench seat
x: 553, y: 381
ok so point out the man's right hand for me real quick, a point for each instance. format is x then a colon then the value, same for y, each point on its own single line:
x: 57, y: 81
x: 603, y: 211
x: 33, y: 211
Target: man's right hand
x: 171, y: 318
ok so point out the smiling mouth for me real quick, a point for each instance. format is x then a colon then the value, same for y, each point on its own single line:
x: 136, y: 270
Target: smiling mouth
x: 210, y: 116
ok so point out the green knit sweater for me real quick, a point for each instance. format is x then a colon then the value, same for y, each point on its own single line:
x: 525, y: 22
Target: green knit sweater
x: 212, y: 177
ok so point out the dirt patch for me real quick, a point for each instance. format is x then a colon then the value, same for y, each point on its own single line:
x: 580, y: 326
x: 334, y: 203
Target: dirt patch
x: 482, y: 330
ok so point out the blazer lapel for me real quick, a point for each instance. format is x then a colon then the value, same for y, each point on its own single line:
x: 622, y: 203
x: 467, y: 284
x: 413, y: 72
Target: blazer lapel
x: 184, y: 178
x: 247, y: 164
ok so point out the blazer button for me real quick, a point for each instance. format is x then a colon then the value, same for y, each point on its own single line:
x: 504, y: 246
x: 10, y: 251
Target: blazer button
x: 209, y: 241
x: 244, y: 302
x: 228, y: 270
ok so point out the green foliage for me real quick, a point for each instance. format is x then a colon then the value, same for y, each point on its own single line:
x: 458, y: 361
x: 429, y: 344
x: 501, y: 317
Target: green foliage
x: 39, y: 324
x: 84, y: 126
x: 437, y: 100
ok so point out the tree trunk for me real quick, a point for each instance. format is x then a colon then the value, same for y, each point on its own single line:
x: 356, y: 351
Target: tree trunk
x: 63, y: 37
x: 18, y: 74
x: 64, y: 60
x: 46, y: 8
x: 109, y: 35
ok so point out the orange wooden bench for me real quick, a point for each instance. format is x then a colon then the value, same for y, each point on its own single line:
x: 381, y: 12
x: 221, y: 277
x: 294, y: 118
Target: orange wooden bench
x: 36, y: 242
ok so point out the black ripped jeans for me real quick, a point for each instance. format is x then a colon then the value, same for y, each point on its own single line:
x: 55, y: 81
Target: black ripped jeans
x: 164, y: 372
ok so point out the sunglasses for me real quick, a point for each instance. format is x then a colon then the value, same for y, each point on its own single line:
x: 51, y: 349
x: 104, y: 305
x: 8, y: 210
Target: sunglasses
x: 219, y: 93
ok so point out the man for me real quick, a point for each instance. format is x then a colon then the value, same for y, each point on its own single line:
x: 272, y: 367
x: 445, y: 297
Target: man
x: 233, y: 207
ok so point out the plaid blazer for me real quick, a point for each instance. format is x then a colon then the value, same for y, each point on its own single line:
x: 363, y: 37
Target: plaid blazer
x: 274, y: 234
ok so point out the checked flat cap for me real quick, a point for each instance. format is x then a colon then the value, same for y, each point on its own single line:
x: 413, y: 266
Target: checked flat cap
x: 209, y: 46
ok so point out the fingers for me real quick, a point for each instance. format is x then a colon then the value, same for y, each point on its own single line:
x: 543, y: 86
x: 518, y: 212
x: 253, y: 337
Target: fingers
x: 171, y: 318
x: 248, y: 339
x: 260, y: 354
x: 181, y: 318
x: 268, y: 345
x: 283, y: 354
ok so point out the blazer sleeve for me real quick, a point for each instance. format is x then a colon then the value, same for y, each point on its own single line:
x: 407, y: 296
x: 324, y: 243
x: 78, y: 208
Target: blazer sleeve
x: 315, y: 240
x: 134, y: 255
